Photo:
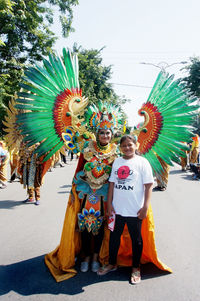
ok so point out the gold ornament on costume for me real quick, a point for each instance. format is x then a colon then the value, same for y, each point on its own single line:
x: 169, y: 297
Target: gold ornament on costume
x: 97, y: 169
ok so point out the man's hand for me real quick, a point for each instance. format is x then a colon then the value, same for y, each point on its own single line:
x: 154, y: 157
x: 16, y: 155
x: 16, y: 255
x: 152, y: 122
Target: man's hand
x: 142, y: 213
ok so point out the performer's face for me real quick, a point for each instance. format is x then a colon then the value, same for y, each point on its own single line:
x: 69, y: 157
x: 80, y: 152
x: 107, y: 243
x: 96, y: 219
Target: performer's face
x: 104, y: 136
x: 128, y: 148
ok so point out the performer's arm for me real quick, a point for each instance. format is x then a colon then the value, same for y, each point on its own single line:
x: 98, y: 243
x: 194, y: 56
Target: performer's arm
x: 110, y: 208
x: 80, y: 166
x: 81, y: 163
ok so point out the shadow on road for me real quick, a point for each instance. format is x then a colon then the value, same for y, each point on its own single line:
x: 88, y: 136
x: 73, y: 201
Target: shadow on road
x: 33, y: 277
x: 184, y: 175
x: 188, y: 177
x: 65, y: 191
x: 175, y: 172
x: 9, y: 204
x: 66, y: 186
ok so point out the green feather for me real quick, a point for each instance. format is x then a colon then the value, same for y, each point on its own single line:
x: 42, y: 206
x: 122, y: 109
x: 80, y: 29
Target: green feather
x: 53, y: 151
x: 153, y: 160
x: 68, y: 64
x: 37, y: 91
x: 40, y: 80
x: 51, y: 73
x: 176, y: 105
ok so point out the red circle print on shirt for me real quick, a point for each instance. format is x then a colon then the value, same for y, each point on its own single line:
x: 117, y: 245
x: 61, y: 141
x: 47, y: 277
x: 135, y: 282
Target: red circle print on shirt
x: 123, y: 172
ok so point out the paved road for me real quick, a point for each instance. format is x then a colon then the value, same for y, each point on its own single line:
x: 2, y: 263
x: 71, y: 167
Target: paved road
x: 28, y: 232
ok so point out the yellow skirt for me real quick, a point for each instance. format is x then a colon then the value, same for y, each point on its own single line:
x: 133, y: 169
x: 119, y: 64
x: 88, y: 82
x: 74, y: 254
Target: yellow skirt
x: 61, y: 261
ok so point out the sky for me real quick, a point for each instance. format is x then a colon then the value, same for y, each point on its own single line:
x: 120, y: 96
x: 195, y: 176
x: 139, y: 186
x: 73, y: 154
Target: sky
x: 162, y: 33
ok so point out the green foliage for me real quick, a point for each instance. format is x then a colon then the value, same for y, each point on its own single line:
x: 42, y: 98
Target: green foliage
x: 25, y: 37
x: 193, y: 78
x: 193, y: 83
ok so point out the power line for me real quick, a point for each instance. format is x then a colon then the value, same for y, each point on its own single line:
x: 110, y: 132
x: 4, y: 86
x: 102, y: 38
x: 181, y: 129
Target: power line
x: 147, y: 52
x: 137, y: 86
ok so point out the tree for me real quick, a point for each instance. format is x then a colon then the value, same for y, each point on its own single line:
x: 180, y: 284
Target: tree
x: 25, y: 35
x: 25, y: 38
x: 193, y: 83
x: 193, y: 78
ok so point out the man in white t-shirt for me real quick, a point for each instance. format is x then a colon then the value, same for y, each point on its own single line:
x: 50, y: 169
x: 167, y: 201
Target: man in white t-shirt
x: 129, y: 177
x: 129, y: 194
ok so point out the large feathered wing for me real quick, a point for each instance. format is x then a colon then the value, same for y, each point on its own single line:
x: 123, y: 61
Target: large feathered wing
x: 168, y: 115
x: 13, y: 136
x: 52, y: 101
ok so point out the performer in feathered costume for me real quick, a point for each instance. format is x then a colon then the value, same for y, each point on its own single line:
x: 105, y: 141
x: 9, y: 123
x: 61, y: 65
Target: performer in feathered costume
x: 4, y: 157
x: 24, y: 162
x: 194, y: 152
x: 162, y: 178
x: 32, y: 171
x: 90, y: 181
x: 56, y: 114
x: 12, y: 138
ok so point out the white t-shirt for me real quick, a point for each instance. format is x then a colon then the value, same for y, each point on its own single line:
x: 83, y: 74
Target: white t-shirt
x: 129, y: 177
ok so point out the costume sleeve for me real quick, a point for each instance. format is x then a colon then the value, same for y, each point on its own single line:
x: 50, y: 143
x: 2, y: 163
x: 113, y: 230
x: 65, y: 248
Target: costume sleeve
x: 81, y: 163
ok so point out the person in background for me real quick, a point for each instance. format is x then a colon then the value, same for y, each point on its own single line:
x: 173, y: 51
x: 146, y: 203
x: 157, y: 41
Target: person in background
x: 63, y: 155
x: 194, y: 149
x: 184, y: 160
x: 199, y: 151
x: 162, y: 179
x: 195, y: 168
x: 14, y: 163
x: 57, y: 159
x: 4, y: 157
x: 71, y: 155
x: 32, y: 170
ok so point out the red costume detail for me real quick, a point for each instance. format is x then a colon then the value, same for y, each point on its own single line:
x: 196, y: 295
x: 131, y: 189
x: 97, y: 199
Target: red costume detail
x: 148, y: 138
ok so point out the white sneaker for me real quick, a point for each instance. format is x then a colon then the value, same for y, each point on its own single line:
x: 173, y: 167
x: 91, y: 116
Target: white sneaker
x: 3, y: 186
x: 95, y: 266
x: 84, y: 266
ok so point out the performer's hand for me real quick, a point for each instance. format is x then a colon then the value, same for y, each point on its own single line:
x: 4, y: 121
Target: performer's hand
x: 142, y: 213
x: 110, y: 209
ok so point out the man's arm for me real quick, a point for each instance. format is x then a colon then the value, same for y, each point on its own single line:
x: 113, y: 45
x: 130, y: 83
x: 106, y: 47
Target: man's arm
x: 142, y: 213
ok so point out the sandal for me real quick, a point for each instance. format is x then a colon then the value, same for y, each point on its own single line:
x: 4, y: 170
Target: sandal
x: 106, y: 269
x: 162, y: 188
x: 159, y: 188
x: 156, y: 188
x: 28, y: 201
x: 135, y: 277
